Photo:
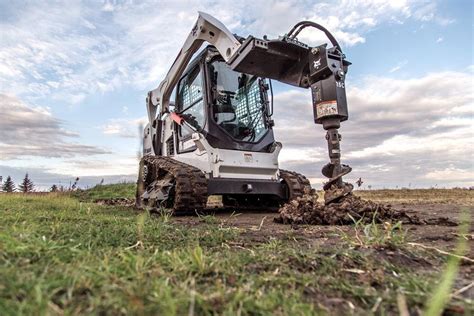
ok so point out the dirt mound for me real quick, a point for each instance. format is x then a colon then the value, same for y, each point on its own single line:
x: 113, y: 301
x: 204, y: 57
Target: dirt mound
x: 307, y: 210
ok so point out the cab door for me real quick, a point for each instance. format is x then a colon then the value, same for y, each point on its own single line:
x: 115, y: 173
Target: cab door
x: 191, y: 107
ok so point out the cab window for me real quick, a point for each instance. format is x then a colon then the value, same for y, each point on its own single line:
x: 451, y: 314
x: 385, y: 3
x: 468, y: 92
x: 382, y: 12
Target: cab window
x: 239, y: 107
x: 189, y: 101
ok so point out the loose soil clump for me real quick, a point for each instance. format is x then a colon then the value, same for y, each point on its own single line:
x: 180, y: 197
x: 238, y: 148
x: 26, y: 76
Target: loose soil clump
x: 349, y: 209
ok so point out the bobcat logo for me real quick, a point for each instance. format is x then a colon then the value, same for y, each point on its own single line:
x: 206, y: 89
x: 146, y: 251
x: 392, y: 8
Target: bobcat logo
x: 317, y: 63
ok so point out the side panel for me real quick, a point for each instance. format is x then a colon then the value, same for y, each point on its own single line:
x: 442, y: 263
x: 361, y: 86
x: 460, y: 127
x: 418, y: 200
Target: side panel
x: 168, y: 139
x: 157, y: 137
x: 245, y: 165
x: 148, y: 134
x: 223, y: 163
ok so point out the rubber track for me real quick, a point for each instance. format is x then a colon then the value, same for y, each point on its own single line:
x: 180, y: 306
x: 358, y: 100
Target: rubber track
x: 190, y: 183
x: 297, y: 183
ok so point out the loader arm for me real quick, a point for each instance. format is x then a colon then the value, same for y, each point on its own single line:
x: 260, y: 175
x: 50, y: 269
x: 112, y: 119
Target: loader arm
x: 207, y: 29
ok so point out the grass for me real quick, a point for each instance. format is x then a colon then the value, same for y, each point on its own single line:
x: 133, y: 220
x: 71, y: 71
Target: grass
x: 441, y: 294
x: 452, y: 196
x: 110, y: 191
x: 374, y: 235
x: 456, y: 196
x: 62, y: 256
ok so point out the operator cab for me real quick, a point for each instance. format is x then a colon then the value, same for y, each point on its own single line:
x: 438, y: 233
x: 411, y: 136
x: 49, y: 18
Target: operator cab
x: 231, y: 109
x: 239, y: 105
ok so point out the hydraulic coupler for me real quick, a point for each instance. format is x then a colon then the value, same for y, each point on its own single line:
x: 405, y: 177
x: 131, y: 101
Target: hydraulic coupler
x: 327, y: 77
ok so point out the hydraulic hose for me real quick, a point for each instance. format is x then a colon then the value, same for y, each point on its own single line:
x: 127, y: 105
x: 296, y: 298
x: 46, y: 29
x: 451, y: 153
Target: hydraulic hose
x: 303, y: 24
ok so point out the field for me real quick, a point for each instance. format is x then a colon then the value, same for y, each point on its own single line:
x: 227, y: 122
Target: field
x: 64, y: 254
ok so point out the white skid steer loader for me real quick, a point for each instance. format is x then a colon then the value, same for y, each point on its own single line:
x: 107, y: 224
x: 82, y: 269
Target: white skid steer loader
x: 216, y: 137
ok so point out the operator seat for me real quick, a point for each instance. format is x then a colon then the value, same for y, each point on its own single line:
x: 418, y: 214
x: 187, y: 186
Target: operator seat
x: 225, y: 117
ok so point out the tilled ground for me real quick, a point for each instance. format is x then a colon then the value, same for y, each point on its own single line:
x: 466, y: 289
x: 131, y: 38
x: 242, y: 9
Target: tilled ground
x: 311, y: 222
x: 429, y: 228
x: 438, y: 226
x: 64, y: 257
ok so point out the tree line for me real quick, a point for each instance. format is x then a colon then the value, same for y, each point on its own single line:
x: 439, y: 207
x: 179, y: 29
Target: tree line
x: 27, y: 185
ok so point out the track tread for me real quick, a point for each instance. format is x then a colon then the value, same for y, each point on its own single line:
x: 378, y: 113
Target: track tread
x: 190, y: 183
x: 296, y: 182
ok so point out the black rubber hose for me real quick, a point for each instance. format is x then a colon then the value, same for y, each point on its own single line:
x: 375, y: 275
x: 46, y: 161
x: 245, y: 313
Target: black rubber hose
x: 271, y: 94
x: 303, y: 24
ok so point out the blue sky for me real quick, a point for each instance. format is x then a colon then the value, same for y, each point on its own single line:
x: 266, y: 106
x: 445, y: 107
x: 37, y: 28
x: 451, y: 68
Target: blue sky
x: 74, y: 76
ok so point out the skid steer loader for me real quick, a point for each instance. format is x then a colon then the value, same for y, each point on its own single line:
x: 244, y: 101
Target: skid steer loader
x: 216, y: 137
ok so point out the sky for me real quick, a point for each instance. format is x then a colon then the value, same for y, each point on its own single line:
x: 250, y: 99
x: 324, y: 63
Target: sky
x: 74, y: 77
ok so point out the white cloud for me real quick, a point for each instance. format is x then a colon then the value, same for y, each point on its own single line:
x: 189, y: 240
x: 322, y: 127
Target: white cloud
x: 34, y: 131
x: 301, y: 156
x: 128, y: 128
x: 399, y: 66
x: 108, y: 7
x: 67, y: 54
x: 113, y: 129
x: 122, y: 165
x: 451, y: 173
x: 43, y: 177
x: 455, y: 141
x: 397, y: 129
x: 349, y: 20
x: 427, y: 12
x: 439, y: 39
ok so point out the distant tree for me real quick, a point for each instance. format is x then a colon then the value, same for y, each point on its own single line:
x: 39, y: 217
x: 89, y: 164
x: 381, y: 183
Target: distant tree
x: 8, y: 185
x: 54, y: 188
x: 26, y: 185
x: 1, y: 180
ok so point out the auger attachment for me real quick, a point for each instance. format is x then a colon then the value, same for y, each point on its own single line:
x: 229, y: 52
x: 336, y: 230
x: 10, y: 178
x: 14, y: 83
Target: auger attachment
x: 327, y: 74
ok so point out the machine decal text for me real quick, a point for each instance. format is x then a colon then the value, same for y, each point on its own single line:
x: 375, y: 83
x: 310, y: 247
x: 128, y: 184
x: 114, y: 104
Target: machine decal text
x: 326, y: 108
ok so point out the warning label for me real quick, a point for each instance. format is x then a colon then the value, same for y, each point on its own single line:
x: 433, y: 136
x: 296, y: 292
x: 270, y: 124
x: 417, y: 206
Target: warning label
x: 326, y: 108
x: 248, y: 158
